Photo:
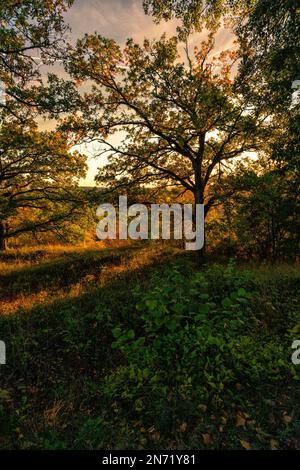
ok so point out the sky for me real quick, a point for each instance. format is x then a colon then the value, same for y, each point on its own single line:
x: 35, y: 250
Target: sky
x: 119, y: 20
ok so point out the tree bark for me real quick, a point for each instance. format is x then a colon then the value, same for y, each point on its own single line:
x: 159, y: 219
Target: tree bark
x: 199, y: 199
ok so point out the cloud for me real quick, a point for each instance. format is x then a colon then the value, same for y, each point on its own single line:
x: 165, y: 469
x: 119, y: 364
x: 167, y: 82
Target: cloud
x: 117, y: 19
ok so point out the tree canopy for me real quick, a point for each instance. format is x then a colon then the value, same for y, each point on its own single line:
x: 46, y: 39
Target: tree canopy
x: 38, y: 171
x: 185, y: 121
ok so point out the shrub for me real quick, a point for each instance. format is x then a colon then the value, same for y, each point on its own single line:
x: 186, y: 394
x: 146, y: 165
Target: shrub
x: 198, y: 337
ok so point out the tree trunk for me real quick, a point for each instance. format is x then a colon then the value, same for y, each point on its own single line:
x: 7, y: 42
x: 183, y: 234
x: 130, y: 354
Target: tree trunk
x: 199, y: 199
x: 2, y: 236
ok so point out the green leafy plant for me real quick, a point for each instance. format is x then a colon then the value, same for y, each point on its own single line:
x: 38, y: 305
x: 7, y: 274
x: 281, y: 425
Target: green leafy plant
x: 192, y: 346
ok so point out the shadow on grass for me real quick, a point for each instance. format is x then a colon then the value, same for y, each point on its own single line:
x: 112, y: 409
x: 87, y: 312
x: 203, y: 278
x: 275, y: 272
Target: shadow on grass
x: 60, y: 344
x: 61, y: 272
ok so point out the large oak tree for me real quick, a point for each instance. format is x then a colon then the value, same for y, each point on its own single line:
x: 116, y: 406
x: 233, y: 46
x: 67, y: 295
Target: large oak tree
x: 38, y: 171
x: 185, y: 121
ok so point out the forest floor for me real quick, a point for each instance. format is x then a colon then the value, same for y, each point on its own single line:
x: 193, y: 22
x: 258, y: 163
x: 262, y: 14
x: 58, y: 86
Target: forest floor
x: 136, y: 347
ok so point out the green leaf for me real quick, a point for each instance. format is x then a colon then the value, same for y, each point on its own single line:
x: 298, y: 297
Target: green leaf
x: 130, y: 334
x: 226, y: 302
x: 241, y: 292
x: 116, y: 332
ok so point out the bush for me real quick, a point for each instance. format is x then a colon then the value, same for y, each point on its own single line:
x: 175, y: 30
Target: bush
x: 198, y: 338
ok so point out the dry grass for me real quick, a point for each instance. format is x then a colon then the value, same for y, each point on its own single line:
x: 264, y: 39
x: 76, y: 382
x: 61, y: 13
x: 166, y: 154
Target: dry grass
x: 76, y: 270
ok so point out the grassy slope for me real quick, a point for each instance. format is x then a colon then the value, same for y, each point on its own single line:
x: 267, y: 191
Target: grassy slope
x: 57, y: 310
